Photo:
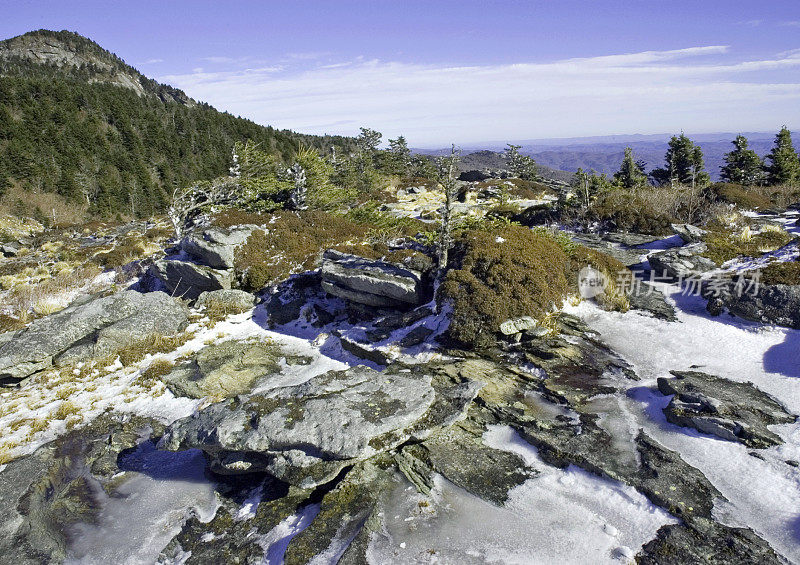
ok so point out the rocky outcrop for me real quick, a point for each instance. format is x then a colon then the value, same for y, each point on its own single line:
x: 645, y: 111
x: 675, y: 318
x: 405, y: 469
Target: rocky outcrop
x: 92, y: 327
x: 726, y: 409
x: 771, y: 304
x: 215, y: 247
x: 682, y: 262
x: 689, y: 233
x: 306, y: 434
x: 185, y: 279
x: 228, y: 368
x: 370, y: 282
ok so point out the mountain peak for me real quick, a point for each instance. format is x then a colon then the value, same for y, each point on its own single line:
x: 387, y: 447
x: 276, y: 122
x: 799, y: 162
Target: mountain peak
x: 46, y: 53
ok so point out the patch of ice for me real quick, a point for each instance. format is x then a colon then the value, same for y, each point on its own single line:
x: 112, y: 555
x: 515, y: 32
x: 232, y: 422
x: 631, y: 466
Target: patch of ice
x: 146, y: 511
x: 546, y: 520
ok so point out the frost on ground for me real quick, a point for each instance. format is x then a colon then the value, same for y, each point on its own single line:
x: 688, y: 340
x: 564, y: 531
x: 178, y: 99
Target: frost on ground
x: 559, y: 516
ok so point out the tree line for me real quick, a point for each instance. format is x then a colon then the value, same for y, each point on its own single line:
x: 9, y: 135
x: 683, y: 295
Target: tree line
x: 684, y: 166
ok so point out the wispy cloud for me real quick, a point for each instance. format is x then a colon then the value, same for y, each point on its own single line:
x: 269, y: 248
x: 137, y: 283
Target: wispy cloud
x: 751, y: 23
x: 791, y: 23
x: 698, y: 89
x: 153, y: 61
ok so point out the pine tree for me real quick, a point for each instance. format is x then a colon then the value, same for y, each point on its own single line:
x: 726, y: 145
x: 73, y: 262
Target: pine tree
x: 684, y: 164
x: 742, y: 165
x: 521, y: 166
x: 631, y: 173
x: 784, y: 167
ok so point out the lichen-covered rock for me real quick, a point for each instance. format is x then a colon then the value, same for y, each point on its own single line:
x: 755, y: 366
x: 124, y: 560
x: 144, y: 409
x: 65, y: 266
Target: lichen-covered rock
x: 370, y: 282
x: 215, y: 247
x: 185, y: 279
x: 767, y: 303
x: 648, y: 298
x: 689, y: 233
x: 227, y: 369
x: 95, y: 326
x: 229, y: 299
x: 306, y: 434
x: 726, y: 409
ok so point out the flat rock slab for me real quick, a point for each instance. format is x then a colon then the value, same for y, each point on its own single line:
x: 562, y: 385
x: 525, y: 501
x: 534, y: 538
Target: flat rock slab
x: 306, y: 434
x: 370, y: 282
x: 227, y: 369
x: 87, y: 328
x: 729, y: 410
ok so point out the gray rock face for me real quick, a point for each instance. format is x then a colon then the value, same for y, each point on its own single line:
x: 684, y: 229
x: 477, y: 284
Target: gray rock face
x: 305, y: 434
x: 233, y: 300
x: 727, y: 409
x: 226, y: 369
x: 93, y: 327
x: 374, y: 283
x: 215, y: 247
x: 689, y: 233
x: 189, y: 280
x: 682, y: 262
x: 650, y: 299
x: 771, y: 304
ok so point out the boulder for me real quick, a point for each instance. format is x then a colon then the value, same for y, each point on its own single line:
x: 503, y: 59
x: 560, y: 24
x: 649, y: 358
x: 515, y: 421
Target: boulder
x: 230, y: 299
x: 689, y: 233
x: 306, y: 434
x: 92, y: 327
x: 727, y: 409
x: 189, y: 280
x: 370, y: 282
x: 682, y: 262
x: 770, y: 304
x: 215, y: 247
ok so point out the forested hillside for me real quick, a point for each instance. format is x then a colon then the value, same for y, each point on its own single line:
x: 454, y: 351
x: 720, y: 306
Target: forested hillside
x: 77, y: 121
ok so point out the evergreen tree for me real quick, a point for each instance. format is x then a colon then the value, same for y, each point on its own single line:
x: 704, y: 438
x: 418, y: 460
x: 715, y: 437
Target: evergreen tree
x: 784, y: 167
x: 684, y: 164
x: 521, y: 166
x: 399, y: 156
x: 631, y: 173
x: 742, y: 165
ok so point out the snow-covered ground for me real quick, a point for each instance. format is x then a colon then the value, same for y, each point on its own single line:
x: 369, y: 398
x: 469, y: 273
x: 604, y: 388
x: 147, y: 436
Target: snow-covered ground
x: 763, y: 491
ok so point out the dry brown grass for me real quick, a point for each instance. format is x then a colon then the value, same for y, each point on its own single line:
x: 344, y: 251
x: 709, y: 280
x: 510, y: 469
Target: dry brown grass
x: 152, y: 344
x: 27, y: 301
x: 42, y: 205
x: 154, y: 372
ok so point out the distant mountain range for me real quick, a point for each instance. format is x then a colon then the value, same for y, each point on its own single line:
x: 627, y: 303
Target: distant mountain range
x: 604, y: 153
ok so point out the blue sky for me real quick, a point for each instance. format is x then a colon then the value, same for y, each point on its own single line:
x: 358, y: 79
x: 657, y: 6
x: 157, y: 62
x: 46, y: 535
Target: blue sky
x: 460, y: 71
